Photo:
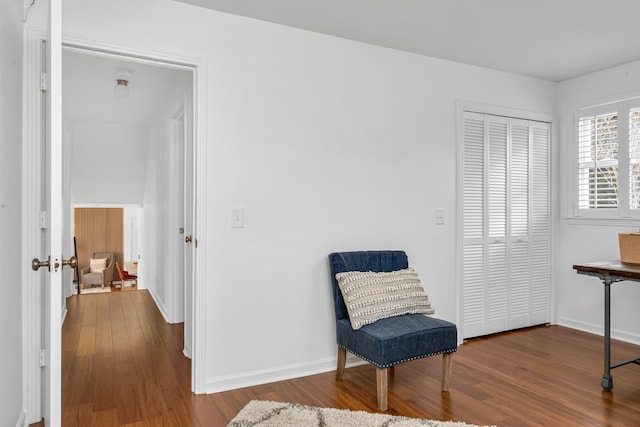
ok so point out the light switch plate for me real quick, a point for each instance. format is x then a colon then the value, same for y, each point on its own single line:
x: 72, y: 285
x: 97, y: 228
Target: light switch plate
x: 439, y: 216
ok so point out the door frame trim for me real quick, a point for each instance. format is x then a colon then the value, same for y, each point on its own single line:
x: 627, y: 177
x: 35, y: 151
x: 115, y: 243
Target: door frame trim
x: 509, y: 112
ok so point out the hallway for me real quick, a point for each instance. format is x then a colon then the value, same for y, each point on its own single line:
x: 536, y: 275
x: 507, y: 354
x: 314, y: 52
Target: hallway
x: 122, y: 364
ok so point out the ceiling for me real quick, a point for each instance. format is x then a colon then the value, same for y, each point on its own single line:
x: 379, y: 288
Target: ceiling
x: 89, y: 79
x: 549, y: 39
x: 109, y: 136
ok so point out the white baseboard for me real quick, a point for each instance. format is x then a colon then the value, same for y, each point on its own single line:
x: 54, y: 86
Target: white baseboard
x: 22, y: 420
x: 265, y: 376
x: 599, y: 330
x: 159, y: 304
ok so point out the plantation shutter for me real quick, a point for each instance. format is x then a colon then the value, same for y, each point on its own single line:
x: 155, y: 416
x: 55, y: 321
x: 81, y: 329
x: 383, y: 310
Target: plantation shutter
x: 598, y: 161
x: 505, y: 223
x: 634, y: 159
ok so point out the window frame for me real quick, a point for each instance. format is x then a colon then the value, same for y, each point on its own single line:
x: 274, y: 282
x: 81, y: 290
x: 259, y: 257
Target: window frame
x: 622, y: 107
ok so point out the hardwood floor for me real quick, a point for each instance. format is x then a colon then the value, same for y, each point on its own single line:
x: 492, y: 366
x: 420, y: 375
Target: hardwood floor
x: 123, y: 365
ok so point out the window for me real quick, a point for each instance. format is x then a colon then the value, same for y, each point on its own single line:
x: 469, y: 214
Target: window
x: 598, y: 161
x: 608, y: 140
x: 634, y: 158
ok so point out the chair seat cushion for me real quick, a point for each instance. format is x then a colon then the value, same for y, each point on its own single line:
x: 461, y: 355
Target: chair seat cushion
x: 395, y: 340
x: 91, y: 279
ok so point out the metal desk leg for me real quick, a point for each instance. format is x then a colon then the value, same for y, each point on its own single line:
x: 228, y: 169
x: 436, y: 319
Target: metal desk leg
x: 607, y: 381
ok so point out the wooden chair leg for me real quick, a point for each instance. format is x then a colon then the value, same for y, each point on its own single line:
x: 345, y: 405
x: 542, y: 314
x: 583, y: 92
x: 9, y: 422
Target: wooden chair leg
x: 447, y: 361
x: 342, y: 360
x: 382, y: 383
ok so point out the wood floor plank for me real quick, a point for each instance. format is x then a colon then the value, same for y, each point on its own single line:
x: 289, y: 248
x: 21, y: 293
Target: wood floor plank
x: 123, y: 366
x: 106, y: 418
x: 104, y: 385
x: 104, y: 334
x: 129, y: 394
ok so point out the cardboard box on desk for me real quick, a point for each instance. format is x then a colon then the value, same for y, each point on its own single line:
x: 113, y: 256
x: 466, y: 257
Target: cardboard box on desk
x: 629, y: 247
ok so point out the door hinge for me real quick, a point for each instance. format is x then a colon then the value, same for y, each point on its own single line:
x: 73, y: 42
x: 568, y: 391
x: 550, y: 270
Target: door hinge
x: 43, y: 357
x: 43, y: 82
x: 44, y: 220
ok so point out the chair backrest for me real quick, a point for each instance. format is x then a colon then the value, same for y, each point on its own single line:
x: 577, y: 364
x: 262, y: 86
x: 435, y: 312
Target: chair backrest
x: 107, y: 273
x: 376, y: 261
x: 120, y: 272
x: 107, y: 255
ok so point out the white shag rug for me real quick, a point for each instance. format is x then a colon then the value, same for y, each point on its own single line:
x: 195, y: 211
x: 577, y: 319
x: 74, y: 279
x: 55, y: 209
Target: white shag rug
x: 264, y: 413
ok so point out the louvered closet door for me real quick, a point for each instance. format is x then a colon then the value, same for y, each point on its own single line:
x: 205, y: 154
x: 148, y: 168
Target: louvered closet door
x: 497, y: 276
x: 505, y: 224
x: 519, y: 237
x: 540, y: 224
x: 473, y: 224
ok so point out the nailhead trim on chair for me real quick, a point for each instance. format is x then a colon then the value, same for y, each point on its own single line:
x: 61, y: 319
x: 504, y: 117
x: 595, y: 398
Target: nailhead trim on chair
x: 399, y: 361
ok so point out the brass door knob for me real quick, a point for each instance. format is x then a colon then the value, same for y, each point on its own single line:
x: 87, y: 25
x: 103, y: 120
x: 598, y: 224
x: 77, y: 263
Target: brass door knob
x: 188, y: 239
x: 36, y: 264
x: 73, y: 262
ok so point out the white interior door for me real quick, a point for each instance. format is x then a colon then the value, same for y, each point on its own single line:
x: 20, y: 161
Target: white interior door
x: 52, y: 224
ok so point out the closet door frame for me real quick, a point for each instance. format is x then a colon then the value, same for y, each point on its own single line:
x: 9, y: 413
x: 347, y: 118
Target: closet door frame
x: 468, y: 107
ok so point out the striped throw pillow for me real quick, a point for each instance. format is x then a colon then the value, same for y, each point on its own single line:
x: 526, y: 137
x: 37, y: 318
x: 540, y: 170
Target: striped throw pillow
x: 371, y: 296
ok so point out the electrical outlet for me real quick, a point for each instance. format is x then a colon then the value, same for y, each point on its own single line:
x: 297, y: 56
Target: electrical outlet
x: 237, y: 218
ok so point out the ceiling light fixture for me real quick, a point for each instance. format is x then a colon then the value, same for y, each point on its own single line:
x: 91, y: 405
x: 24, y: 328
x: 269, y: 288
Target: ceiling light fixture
x: 121, y: 90
x: 122, y: 83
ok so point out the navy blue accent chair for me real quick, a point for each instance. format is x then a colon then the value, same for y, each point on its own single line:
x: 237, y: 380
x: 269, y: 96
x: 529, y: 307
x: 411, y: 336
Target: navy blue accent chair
x: 388, y: 342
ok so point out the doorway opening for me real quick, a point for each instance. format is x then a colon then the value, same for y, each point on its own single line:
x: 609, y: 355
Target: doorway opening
x: 120, y: 150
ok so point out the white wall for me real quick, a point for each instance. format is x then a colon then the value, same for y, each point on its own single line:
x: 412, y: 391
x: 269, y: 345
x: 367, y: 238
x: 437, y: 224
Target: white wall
x: 11, y: 386
x: 328, y: 145
x: 151, y: 268
x: 108, y: 162
x: 580, y: 298
x: 161, y: 201
x: 130, y: 241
